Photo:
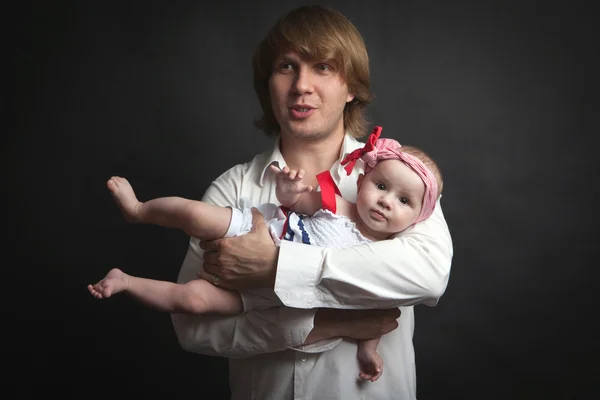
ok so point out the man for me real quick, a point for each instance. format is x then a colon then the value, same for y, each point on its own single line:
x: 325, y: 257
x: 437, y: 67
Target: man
x: 311, y: 75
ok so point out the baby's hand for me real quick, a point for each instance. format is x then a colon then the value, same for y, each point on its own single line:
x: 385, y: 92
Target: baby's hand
x: 371, y: 364
x: 290, y: 186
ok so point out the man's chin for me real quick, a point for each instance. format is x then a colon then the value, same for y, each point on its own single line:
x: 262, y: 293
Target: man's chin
x: 303, y: 130
x: 306, y: 130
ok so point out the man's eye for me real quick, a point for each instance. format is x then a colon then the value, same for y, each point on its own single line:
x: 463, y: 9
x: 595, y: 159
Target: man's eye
x: 380, y: 186
x: 403, y: 200
x: 285, y: 66
x: 323, y: 67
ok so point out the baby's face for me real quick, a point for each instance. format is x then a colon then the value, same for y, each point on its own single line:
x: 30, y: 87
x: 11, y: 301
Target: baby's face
x: 389, y: 198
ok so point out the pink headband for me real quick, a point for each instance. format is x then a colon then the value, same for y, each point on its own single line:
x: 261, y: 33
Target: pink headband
x: 376, y: 149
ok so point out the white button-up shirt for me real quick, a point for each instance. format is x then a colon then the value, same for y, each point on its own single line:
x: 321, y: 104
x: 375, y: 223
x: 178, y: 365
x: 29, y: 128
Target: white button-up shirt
x: 267, y: 357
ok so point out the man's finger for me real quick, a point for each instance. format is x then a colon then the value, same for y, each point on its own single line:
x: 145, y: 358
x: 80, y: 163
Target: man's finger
x: 210, y: 257
x: 209, y: 245
x: 216, y: 280
x: 210, y: 267
x: 205, y: 275
x: 392, y: 314
x: 257, y: 217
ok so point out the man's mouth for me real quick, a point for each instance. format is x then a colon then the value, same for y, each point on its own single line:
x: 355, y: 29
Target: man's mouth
x: 301, y: 111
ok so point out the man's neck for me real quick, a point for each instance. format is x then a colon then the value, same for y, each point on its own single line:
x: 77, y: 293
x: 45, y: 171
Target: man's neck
x: 314, y: 156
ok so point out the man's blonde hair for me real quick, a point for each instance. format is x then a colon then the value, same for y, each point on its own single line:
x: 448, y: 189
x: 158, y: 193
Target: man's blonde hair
x: 315, y: 33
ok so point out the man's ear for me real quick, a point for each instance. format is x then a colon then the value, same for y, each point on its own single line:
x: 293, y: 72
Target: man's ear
x: 359, y: 182
x: 350, y: 97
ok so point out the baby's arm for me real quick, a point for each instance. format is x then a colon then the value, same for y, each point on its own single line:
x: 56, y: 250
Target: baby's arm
x: 293, y: 193
x: 371, y: 363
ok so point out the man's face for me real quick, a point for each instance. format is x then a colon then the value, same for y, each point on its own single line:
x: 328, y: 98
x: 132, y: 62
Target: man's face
x: 308, y: 97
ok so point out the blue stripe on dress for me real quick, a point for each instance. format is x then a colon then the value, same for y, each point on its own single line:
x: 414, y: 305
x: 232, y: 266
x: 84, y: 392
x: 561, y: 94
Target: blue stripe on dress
x: 289, y: 232
x: 305, y: 238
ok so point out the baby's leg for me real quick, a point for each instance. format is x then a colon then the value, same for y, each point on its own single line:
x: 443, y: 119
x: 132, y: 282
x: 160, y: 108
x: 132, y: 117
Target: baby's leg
x: 198, y: 219
x: 114, y: 282
x: 195, y: 297
x: 371, y: 363
x: 201, y: 297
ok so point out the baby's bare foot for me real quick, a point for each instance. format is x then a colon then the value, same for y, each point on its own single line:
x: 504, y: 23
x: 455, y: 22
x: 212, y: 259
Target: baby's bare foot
x: 114, y: 282
x: 125, y: 198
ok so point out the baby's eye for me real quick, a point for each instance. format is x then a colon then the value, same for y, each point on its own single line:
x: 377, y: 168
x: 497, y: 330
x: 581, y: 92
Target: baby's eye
x: 380, y: 186
x: 403, y: 200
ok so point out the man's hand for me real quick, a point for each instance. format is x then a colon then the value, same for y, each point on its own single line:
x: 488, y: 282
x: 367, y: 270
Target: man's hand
x: 242, y: 262
x: 357, y: 324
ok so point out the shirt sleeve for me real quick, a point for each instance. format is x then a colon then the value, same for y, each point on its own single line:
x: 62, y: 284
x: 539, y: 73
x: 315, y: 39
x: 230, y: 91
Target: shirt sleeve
x: 412, y: 268
x: 250, y: 333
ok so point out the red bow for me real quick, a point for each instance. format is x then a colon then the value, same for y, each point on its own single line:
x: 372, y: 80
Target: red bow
x: 358, y: 153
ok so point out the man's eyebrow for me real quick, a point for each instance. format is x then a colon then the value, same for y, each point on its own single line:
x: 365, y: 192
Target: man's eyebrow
x: 287, y: 55
x: 284, y: 59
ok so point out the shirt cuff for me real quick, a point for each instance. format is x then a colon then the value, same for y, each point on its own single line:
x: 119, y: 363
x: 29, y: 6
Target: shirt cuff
x: 298, y: 273
x: 318, y: 347
x: 296, y: 324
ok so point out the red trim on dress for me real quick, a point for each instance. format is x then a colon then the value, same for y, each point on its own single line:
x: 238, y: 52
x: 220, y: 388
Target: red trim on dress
x: 328, y: 191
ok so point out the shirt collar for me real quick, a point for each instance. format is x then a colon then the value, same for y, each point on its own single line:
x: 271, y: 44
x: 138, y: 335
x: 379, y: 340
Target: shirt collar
x: 275, y: 157
x: 349, y: 145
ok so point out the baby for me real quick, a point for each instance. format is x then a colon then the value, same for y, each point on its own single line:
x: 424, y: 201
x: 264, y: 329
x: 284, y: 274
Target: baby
x: 399, y: 188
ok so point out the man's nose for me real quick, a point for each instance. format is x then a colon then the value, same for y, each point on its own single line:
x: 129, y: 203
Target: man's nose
x: 303, y: 83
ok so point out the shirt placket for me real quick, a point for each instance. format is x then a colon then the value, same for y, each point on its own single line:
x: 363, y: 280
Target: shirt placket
x: 302, y: 365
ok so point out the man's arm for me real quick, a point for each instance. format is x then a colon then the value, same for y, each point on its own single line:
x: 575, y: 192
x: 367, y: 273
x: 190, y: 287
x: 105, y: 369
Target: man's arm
x: 410, y: 269
x: 357, y: 324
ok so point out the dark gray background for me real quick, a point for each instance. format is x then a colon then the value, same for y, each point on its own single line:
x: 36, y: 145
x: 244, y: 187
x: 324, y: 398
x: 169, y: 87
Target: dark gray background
x: 499, y: 93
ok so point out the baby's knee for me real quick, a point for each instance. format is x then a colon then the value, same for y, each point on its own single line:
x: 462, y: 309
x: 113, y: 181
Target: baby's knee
x: 194, y: 298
